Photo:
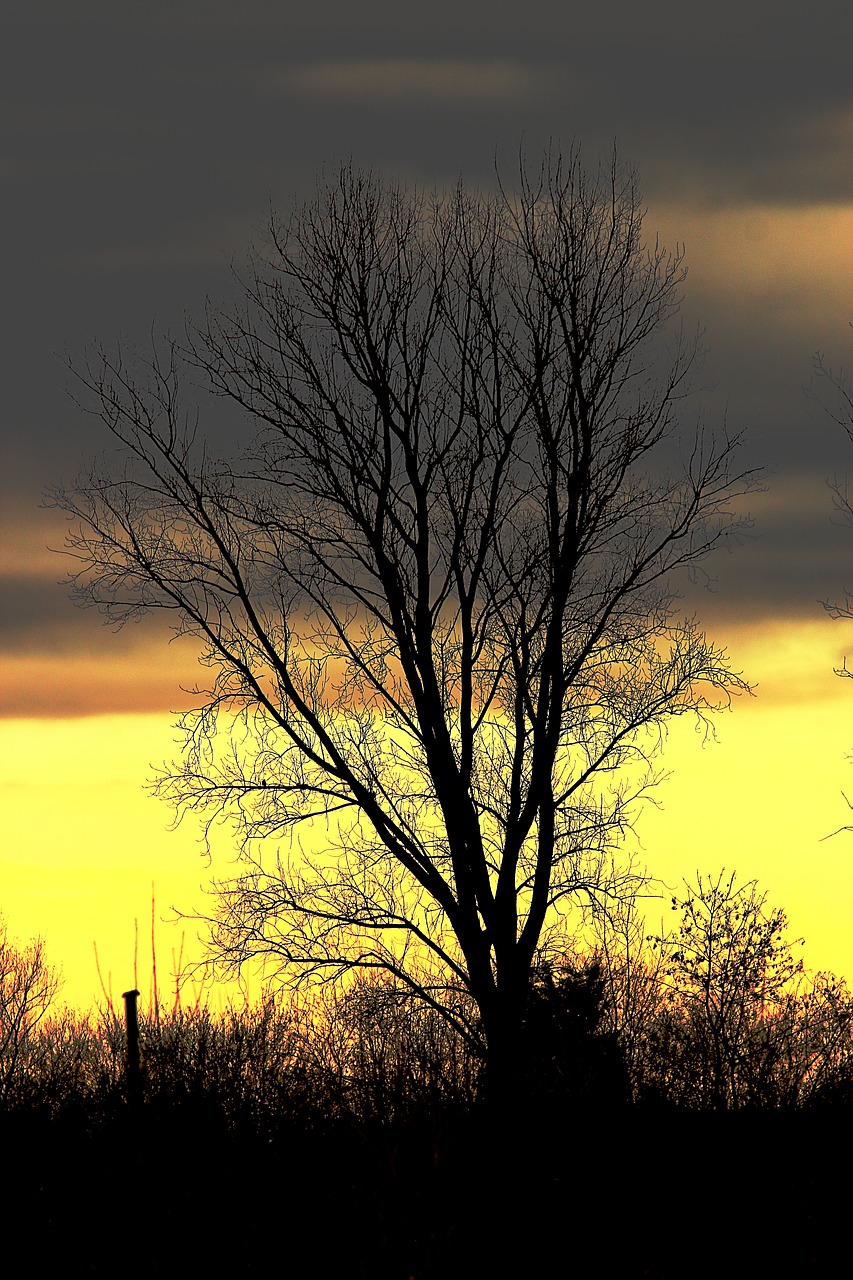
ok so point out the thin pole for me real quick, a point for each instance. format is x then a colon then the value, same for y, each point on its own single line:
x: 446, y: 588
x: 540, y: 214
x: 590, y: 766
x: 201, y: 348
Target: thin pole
x: 131, y: 1021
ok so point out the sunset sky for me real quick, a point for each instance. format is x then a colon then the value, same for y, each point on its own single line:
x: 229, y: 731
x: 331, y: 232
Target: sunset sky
x: 142, y: 148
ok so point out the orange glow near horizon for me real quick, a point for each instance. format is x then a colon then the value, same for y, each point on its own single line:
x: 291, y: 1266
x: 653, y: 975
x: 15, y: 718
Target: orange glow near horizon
x: 84, y: 840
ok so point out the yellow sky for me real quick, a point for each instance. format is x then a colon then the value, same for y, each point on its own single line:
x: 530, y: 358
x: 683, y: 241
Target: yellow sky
x: 84, y: 842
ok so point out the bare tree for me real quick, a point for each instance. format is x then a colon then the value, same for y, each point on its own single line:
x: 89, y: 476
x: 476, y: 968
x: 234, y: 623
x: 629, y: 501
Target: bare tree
x: 729, y: 972
x: 840, y: 409
x: 435, y: 589
x: 28, y: 989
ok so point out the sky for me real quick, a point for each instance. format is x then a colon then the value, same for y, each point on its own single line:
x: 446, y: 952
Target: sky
x: 142, y: 148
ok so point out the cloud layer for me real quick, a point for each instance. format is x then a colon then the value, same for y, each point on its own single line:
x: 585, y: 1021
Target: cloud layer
x: 144, y: 145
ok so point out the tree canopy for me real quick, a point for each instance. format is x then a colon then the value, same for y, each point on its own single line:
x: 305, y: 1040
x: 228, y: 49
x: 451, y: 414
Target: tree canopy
x: 435, y: 580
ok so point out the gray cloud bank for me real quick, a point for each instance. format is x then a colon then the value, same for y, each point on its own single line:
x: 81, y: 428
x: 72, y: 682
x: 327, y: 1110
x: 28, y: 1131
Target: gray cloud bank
x: 141, y: 147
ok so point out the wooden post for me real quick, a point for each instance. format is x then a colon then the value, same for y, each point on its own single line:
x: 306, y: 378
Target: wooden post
x: 133, y: 1074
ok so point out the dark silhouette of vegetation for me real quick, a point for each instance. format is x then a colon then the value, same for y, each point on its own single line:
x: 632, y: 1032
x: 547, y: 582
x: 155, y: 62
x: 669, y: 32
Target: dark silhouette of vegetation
x: 728, y: 973
x: 840, y: 409
x: 569, y: 1057
x: 28, y: 988
x: 686, y: 1088
x: 435, y: 584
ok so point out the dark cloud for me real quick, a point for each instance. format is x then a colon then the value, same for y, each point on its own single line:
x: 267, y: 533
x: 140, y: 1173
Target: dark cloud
x: 38, y: 617
x: 141, y: 146
x: 792, y: 559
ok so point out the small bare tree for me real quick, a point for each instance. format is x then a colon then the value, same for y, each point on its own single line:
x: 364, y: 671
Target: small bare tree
x: 729, y: 971
x: 840, y: 409
x: 28, y: 988
x: 435, y: 588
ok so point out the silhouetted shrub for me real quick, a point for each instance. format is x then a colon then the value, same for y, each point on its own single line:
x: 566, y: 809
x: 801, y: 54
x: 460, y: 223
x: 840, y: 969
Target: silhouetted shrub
x: 569, y: 1055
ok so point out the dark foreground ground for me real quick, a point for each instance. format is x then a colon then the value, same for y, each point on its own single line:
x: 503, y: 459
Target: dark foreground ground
x: 642, y: 1194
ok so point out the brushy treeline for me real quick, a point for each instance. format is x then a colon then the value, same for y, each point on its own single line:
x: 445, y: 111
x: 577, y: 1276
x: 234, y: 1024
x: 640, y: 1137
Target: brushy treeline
x: 716, y: 1013
x: 360, y: 1054
x: 675, y: 1092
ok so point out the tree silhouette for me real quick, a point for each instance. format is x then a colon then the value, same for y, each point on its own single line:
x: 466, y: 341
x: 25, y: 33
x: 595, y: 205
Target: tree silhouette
x: 434, y: 588
x: 840, y: 409
x: 730, y: 970
x: 28, y: 988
